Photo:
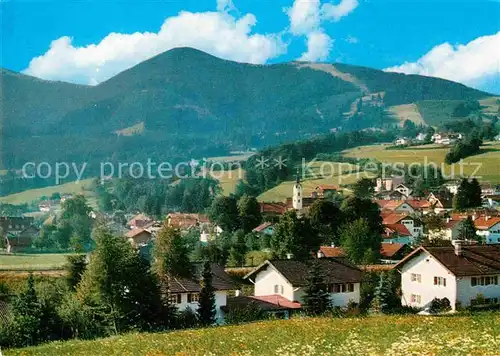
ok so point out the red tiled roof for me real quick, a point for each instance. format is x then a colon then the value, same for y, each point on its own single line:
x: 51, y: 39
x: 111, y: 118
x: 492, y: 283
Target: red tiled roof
x: 139, y: 220
x: 399, y: 229
x: 387, y: 250
x: 393, y: 218
x: 484, y: 222
x: 262, y: 227
x: 328, y: 187
x: 279, y: 301
x: 186, y: 221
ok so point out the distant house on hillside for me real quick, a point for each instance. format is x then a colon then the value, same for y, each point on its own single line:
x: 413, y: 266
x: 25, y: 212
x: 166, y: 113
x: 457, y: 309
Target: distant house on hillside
x: 184, y: 221
x: 282, y: 282
x: 138, y: 237
x: 139, y: 221
x: 266, y: 228
x: 465, y: 275
x: 272, y: 209
x: 325, y: 189
x: 209, y: 232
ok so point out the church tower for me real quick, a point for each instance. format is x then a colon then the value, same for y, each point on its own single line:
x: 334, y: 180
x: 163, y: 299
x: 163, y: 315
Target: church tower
x: 297, y: 194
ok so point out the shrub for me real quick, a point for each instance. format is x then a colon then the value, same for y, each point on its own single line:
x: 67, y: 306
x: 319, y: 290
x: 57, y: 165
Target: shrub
x: 248, y: 313
x: 439, y: 305
x: 187, y: 319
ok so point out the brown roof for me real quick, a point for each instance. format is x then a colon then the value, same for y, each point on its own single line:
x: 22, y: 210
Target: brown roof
x: 264, y: 303
x: 186, y: 221
x: 139, y: 220
x: 324, y: 187
x: 329, y: 251
x: 335, y: 270
x: 136, y: 232
x: 262, y: 226
x: 221, y: 280
x: 473, y: 261
x: 273, y: 208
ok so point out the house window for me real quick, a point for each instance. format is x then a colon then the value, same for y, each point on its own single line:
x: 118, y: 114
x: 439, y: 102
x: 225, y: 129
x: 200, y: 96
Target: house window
x: 483, y: 281
x: 193, y: 297
x: 282, y: 290
x: 416, y: 277
x: 416, y: 298
x: 175, y: 299
x: 350, y: 287
x: 440, y: 281
x: 276, y: 289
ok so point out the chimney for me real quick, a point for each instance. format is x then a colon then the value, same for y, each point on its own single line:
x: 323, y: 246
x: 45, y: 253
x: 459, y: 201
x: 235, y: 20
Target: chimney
x: 332, y: 244
x: 289, y: 256
x: 320, y: 254
x: 458, y: 248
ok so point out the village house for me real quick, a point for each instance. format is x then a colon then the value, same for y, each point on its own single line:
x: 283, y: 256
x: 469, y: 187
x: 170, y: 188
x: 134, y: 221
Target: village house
x: 272, y: 210
x: 465, y: 275
x: 139, y: 221
x: 138, y: 237
x: 266, y: 228
x: 440, y: 202
x: 413, y: 225
x: 18, y: 232
x: 402, y: 141
x: 389, y: 252
x: 387, y: 184
x: 282, y: 281
x: 325, y: 189
x: 185, y: 222
x: 185, y: 293
x: 452, y: 226
x: 488, y: 227
x: 411, y: 206
x: 421, y: 137
x: 209, y: 231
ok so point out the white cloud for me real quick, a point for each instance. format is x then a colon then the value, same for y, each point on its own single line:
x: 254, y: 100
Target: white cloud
x: 336, y: 12
x: 225, y: 6
x: 304, y: 16
x: 218, y: 33
x: 319, y: 45
x: 470, y: 63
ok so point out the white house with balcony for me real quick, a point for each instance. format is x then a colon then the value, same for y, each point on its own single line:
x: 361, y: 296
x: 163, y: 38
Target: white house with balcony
x: 466, y: 275
x: 283, y: 281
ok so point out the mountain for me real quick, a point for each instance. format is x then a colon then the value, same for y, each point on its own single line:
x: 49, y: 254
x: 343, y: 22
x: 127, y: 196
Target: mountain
x: 185, y: 103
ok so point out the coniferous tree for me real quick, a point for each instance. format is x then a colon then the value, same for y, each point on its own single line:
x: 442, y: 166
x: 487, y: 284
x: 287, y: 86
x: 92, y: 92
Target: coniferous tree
x: 461, y: 199
x: 383, y: 299
x: 171, y: 254
x: 75, y: 267
x: 467, y: 231
x: 474, y: 194
x: 316, y: 299
x: 238, y: 250
x: 206, y: 309
x: 249, y: 213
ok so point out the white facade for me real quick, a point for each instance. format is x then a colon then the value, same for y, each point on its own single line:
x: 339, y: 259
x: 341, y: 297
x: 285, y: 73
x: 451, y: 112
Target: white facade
x: 297, y: 196
x: 220, y: 301
x: 270, y: 282
x: 411, y: 226
x: 490, y: 235
x: 423, y: 278
x: 403, y: 189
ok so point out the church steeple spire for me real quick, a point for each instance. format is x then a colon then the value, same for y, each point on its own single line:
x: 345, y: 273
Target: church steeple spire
x: 297, y: 193
x: 297, y: 177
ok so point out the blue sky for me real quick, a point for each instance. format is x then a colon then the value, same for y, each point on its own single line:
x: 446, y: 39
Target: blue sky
x: 457, y: 40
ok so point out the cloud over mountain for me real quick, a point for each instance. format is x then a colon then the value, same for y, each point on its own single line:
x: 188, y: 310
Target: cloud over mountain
x: 218, y: 33
x: 472, y: 63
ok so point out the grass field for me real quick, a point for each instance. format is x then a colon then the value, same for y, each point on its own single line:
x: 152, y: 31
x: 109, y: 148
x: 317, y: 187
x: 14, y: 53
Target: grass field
x: 378, y: 335
x: 490, y: 105
x: 28, y: 196
x: 229, y: 179
x: 334, y: 173
x: 407, y: 112
x: 32, y: 262
x: 488, y: 161
x: 436, y: 112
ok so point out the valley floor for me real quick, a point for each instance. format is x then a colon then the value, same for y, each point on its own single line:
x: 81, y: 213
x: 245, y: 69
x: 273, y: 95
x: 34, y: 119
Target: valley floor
x: 477, y: 334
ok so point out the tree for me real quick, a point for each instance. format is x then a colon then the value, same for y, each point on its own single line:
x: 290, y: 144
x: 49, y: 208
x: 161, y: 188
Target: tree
x: 354, y: 208
x: 75, y: 225
x: 467, y: 231
x: 325, y: 218
x: 75, y: 267
x: 206, y: 309
x: 461, y: 199
x: 118, y: 289
x: 295, y: 236
x: 171, y: 254
x: 357, y: 238
x: 364, y: 188
x: 385, y: 298
x: 249, y: 213
x: 316, y: 298
x: 238, y: 250
x: 224, y: 212
x: 474, y: 194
